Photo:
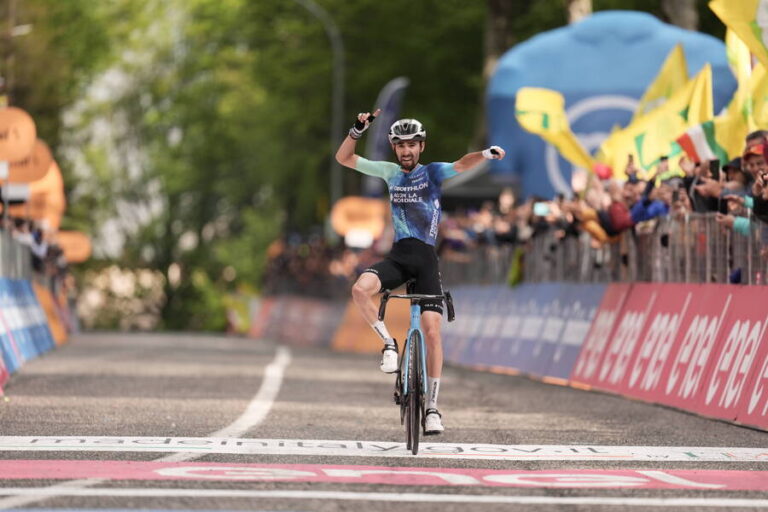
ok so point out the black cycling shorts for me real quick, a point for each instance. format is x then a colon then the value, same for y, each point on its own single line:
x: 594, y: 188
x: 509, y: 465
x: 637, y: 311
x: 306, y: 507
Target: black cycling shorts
x: 410, y: 258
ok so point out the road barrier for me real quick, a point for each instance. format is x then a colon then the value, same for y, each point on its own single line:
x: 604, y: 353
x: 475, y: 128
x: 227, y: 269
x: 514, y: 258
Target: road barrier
x: 33, y: 319
x: 702, y: 348
x: 24, y: 332
x: 295, y: 320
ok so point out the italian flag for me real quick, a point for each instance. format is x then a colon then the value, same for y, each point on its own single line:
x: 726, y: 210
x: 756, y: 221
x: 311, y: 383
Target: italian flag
x: 700, y: 144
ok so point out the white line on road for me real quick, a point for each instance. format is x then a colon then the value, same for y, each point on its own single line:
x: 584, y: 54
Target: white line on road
x: 255, y: 413
x: 194, y: 447
x: 389, y: 497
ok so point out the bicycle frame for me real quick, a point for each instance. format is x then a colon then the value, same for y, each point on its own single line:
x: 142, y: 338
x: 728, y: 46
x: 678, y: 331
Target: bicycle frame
x: 403, y: 395
x: 415, y: 326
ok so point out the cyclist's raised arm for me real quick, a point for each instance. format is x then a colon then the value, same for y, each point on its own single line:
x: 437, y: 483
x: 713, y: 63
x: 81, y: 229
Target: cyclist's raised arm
x: 345, y: 155
x: 471, y: 160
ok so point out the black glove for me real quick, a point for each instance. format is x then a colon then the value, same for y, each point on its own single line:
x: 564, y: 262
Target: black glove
x: 360, y: 126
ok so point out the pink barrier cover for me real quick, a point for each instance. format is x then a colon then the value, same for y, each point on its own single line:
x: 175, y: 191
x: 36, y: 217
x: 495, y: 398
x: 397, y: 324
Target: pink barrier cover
x: 4, y: 375
x: 700, y: 348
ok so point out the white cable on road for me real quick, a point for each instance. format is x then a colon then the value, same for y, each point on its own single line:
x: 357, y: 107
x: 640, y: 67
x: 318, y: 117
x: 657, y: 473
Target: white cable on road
x: 255, y: 413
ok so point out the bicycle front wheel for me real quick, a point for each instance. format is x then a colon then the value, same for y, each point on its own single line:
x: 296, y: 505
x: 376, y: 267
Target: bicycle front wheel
x: 414, y: 391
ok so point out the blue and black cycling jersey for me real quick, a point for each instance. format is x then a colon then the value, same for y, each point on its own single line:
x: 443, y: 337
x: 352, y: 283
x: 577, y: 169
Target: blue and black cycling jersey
x: 414, y: 196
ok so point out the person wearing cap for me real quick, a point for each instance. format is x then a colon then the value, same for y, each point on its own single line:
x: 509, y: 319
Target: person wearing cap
x: 414, y: 191
x: 753, y: 161
x: 754, y: 157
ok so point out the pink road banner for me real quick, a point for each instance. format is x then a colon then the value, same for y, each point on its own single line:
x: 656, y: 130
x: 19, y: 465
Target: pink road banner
x: 704, y: 480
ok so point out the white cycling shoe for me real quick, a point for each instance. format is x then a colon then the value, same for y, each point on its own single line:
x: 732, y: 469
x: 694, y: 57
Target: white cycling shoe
x: 389, y: 358
x: 433, y: 422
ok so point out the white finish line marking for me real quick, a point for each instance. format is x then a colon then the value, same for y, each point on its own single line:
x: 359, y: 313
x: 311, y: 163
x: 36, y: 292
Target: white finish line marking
x: 255, y: 413
x: 188, y: 448
x: 390, y: 497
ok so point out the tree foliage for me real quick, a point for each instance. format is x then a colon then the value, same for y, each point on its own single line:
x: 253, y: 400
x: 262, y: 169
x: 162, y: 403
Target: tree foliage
x: 193, y: 132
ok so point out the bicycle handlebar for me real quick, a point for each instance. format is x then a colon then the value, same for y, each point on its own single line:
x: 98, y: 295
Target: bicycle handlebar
x: 445, y: 297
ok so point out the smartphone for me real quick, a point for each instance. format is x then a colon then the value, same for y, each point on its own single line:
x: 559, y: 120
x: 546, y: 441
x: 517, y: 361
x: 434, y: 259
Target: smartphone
x: 714, y: 169
x: 676, y: 195
x: 540, y: 209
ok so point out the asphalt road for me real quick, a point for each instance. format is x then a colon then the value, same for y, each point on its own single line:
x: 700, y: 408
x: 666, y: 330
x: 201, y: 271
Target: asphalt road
x: 179, y: 422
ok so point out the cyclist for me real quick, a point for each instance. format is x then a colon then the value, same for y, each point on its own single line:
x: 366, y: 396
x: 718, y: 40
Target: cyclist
x: 414, y: 191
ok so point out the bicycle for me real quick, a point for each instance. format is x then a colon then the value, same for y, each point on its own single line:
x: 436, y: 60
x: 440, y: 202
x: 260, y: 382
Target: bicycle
x: 411, y: 380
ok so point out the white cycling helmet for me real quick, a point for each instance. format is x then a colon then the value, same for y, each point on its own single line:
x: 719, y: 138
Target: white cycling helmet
x: 406, y: 129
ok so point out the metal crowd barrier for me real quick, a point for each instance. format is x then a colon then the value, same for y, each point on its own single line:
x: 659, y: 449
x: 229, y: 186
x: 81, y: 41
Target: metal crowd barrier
x: 15, y: 258
x: 690, y: 249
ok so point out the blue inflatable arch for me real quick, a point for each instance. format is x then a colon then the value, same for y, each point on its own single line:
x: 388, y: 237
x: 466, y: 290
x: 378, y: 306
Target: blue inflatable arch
x: 602, y: 65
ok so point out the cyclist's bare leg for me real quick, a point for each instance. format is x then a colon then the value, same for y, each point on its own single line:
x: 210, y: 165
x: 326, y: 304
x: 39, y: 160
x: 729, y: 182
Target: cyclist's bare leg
x: 367, y: 285
x: 430, y: 321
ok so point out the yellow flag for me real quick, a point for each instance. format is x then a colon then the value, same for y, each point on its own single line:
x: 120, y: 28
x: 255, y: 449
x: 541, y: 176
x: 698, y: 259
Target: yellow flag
x: 671, y: 78
x: 542, y: 111
x: 759, y: 104
x: 749, y: 20
x: 739, y: 57
x: 654, y: 135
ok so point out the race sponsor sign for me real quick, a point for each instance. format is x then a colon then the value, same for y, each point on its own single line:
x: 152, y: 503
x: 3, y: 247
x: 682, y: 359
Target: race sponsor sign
x: 539, y: 301
x: 579, y: 307
x: 700, y: 348
x: 731, y: 387
x: 469, y: 302
x: 604, y: 323
x: 533, y: 328
x: 297, y: 320
x: 480, y: 340
x: 24, y: 332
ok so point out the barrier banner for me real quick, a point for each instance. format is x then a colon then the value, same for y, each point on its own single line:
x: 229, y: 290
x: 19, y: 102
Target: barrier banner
x: 732, y: 380
x: 35, y: 318
x: 537, y: 301
x: 4, y: 374
x: 637, y: 360
x: 297, y: 320
x: 485, y: 315
x: 12, y: 357
x: 601, y: 331
x: 579, y: 309
x: 753, y: 409
x: 533, y: 328
x: 15, y: 322
x: 260, y: 311
x: 700, y: 348
x: 24, y: 332
x: 54, y: 322
x: 469, y: 304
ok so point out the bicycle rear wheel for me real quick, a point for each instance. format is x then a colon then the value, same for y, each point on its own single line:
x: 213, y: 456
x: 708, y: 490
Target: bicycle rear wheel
x: 414, y: 391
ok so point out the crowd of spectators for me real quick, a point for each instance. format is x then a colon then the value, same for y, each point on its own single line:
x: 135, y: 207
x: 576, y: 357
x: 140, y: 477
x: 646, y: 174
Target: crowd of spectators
x: 313, y: 266
x: 735, y: 193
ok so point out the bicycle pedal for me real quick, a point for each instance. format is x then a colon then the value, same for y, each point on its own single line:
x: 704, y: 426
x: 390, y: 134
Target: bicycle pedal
x: 397, y: 398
